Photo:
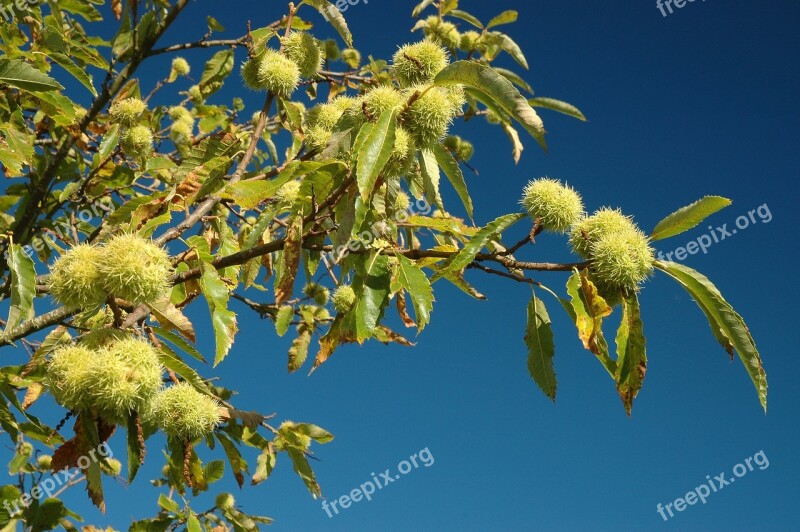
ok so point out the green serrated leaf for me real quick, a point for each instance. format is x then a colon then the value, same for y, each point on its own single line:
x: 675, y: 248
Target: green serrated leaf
x: 453, y: 172
x: 463, y: 15
x: 557, y: 105
x: 77, y: 72
x: 334, y: 17
x: 541, y: 348
x: 724, y: 320
x: 23, y: 287
x: 588, y: 310
x: 506, y: 17
x: 222, y: 319
x: 372, y: 287
x: 631, y: 353
x: 284, y: 319
x: 688, y: 217
x: 488, y: 81
x: 25, y: 76
x: 463, y: 258
x: 375, y: 152
x: 414, y: 281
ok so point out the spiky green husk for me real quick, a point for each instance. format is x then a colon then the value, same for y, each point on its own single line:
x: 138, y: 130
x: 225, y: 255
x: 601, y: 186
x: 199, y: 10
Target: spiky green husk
x: 135, y: 269
x: 225, y: 502
x: 181, y: 130
x: 287, y: 194
x: 316, y: 138
x: 469, y: 40
x: 344, y: 298
x: 444, y: 33
x: 556, y: 207
x: 352, y: 57
x: 402, y: 154
x: 195, y: 94
x: 589, y: 230
x: 271, y: 71
x: 137, y: 141
x: 69, y: 376
x: 43, y: 461
x: 75, y: 279
x: 183, y: 412
x: 180, y: 66
x: 180, y: 114
x: 112, y: 467
x: 324, y: 115
x: 381, y: 99
x: 430, y: 115
x: 419, y: 63
x: 622, y: 259
x: 304, y: 50
x: 401, y: 202
x: 317, y: 292
x: 127, y: 112
x: 127, y: 376
x: 461, y: 149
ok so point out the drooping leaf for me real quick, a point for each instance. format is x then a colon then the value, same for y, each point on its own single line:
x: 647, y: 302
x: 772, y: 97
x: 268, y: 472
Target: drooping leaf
x: 463, y: 258
x: 298, y: 352
x: 631, y: 353
x: 453, y: 172
x: 375, y: 152
x: 135, y: 441
x: 23, y: 287
x: 541, y: 348
x: 93, y: 474
x: 334, y: 17
x: 589, y: 310
x: 430, y: 177
x: 222, y: 319
x: 488, y: 81
x: 284, y: 319
x: 723, y: 319
x: 688, y: 217
x: 238, y: 466
x: 292, y: 251
x: 412, y: 279
x: 264, y: 464
x: 372, y: 288
x: 304, y: 471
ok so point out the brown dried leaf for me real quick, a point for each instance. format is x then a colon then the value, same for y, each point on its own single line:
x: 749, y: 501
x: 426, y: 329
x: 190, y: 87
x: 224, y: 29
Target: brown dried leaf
x: 116, y: 8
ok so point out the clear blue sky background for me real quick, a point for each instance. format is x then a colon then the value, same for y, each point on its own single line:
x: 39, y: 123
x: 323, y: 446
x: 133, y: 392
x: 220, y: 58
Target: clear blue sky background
x: 704, y: 101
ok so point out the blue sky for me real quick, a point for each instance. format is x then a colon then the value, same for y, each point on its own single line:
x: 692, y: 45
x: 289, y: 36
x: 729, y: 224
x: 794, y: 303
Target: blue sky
x: 703, y: 101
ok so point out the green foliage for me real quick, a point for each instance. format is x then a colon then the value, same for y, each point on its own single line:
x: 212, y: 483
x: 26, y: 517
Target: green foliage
x: 325, y: 213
